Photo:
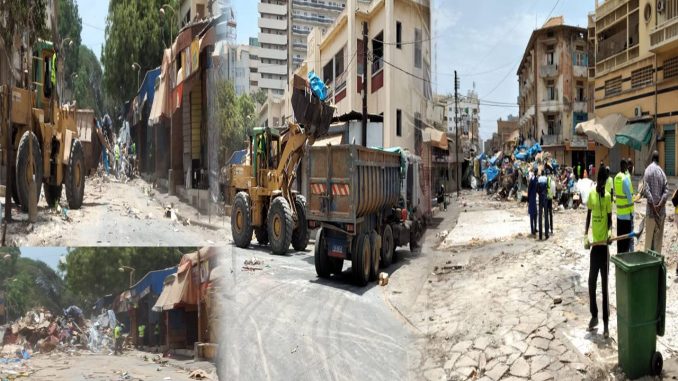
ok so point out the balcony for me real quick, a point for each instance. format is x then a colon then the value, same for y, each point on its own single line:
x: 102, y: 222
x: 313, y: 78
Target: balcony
x: 272, y: 24
x: 527, y: 116
x: 548, y: 71
x: 314, y: 19
x: 272, y: 9
x: 299, y: 31
x: 273, y: 69
x: 580, y: 106
x: 273, y: 39
x: 552, y: 140
x: 664, y: 37
x: 268, y: 83
x: 580, y: 71
x: 274, y: 54
x: 550, y: 106
x: 608, y: 6
x: 611, y: 45
x: 316, y: 6
x: 300, y: 46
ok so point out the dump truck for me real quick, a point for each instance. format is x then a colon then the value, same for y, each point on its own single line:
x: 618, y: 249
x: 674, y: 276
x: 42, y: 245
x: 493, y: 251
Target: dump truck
x: 43, y: 140
x: 263, y: 197
x: 364, y: 202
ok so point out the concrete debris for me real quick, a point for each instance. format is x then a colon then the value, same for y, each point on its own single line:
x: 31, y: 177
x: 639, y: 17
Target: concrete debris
x: 253, y: 264
x: 199, y: 374
x: 383, y: 279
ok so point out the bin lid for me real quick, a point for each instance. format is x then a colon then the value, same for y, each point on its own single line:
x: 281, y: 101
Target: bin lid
x: 630, y: 262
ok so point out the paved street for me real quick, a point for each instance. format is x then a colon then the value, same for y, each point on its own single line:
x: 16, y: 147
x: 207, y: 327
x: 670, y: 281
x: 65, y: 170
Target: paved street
x: 283, y: 323
x: 118, y: 214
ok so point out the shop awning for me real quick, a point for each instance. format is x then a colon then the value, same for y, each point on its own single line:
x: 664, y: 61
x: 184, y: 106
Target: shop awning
x: 635, y: 135
x: 602, y: 130
x: 437, y: 138
x: 160, y: 105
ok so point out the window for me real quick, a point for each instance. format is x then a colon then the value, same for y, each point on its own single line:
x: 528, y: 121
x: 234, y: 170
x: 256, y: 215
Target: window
x: 399, y: 123
x: 399, y: 35
x: 613, y: 86
x: 580, y: 95
x: 417, y: 48
x: 200, y: 10
x: 580, y: 57
x: 328, y: 75
x: 671, y: 68
x: 550, y: 55
x: 641, y: 77
x: 550, y: 91
x: 339, y: 62
x: 551, y: 123
x: 378, y: 51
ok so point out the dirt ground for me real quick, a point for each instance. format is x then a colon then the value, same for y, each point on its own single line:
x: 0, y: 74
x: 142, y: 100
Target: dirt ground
x: 119, y: 214
x: 499, y: 304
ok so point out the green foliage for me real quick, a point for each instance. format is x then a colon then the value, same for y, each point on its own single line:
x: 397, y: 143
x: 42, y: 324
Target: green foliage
x: 70, y: 26
x: 260, y: 96
x: 91, y: 273
x: 88, y: 90
x: 235, y: 116
x: 22, y: 16
x: 135, y: 32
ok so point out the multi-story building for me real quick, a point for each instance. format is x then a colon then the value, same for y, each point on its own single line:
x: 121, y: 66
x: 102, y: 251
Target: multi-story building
x: 190, y: 10
x: 284, y: 26
x: 468, y: 114
x: 636, y: 76
x: 553, y: 83
x: 508, y: 132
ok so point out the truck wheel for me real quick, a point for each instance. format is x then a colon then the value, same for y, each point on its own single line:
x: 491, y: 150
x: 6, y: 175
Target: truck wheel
x: 323, y: 265
x: 52, y: 194
x: 280, y: 225
x: 24, y: 174
x: 300, y: 235
x: 336, y: 265
x: 387, y: 246
x: 75, y: 176
x: 261, y: 232
x: 241, y: 220
x: 361, y: 260
x: 376, y: 253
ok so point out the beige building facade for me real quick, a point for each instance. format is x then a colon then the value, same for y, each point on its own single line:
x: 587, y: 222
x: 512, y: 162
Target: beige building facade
x: 637, y: 74
x: 554, y: 91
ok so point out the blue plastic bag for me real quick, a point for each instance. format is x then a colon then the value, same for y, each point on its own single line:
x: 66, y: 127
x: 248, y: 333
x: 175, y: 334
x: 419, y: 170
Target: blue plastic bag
x: 317, y: 86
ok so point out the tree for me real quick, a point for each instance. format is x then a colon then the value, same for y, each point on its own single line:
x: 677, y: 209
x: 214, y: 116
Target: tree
x: 260, y: 96
x: 91, y: 273
x: 70, y: 26
x: 88, y: 83
x: 135, y: 32
x: 21, y: 17
x: 235, y: 116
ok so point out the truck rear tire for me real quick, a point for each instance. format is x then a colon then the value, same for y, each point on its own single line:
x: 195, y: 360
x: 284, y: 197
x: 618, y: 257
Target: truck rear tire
x: 241, y: 220
x: 300, y: 235
x: 75, y: 176
x: 387, y: 247
x: 52, y: 194
x: 361, y: 260
x: 376, y: 254
x: 280, y: 226
x: 323, y: 265
x: 261, y: 232
x: 23, y: 173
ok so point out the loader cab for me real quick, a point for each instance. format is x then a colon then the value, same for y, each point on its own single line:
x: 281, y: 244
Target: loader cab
x: 265, y: 148
x: 43, y: 67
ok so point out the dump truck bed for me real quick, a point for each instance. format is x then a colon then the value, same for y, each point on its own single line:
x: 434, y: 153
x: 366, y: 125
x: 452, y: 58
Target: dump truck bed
x: 348, y: 182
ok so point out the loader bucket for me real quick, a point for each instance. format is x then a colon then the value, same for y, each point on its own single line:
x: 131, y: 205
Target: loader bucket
x: 312, y: 113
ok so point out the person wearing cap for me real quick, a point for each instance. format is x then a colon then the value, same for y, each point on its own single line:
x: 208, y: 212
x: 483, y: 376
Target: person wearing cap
x: 656, y: 191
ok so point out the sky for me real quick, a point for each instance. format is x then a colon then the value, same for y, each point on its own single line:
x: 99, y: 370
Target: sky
x: 483, y: 40
x: 93, y: 14
x: 49, y: 255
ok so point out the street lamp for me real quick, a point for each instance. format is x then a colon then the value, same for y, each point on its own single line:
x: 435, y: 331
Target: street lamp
x: 70, y: 42
x: 131, y: 270
x: 135, y: 66
x: 163, y: 14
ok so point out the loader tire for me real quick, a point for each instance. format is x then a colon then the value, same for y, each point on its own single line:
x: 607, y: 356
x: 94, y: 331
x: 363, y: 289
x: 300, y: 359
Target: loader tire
x: 300, y: 235
x: 280, y: 226
x: 261, y: 232
x: 52, y: 194
x: 24, y: 173
x: 323, y: 265
x: 75, y: 176
x: 241, y: 220
x: 387, y: 247
x: 361, y: 260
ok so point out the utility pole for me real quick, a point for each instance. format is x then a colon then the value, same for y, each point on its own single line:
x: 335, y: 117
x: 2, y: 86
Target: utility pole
x: 456, y: 129
x: 364, y: 86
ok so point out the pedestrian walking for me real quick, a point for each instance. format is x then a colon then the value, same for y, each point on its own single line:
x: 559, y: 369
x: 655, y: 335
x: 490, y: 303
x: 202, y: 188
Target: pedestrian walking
x: 532, y: 201
x: 624, y: 203
x: 599, y: 218
x: 117, y: 337
x: 441, y: 198
x: 657, y: 193
x: 141, y: 332
x: 550, y: 195
x: 543, y: 218
x: 629, y: 174
x: 577, y: 171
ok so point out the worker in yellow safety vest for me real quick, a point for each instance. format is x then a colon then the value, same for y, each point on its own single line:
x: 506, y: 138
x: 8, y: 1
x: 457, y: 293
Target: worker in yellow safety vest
x: 624, y: 203
x: 117, y: 336
x: 140, y: 338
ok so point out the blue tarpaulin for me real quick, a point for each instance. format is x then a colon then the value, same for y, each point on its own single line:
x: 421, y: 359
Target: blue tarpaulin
x: 526, y: 154
x: 317, y: 86
x: 238, y: 157
x: 151, y: 283
x: 491, y: 172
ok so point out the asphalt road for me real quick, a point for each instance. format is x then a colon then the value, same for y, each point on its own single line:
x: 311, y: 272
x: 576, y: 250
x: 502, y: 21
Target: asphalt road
x: 284, y: 323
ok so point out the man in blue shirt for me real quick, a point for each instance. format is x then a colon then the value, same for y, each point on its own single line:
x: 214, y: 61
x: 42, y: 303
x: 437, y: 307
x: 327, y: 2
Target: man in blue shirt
x: 542, y: 185
x: 624, y: 203
x: 532, y: 201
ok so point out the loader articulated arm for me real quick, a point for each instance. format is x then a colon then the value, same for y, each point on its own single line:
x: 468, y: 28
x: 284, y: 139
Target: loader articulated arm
x: 292, y: 142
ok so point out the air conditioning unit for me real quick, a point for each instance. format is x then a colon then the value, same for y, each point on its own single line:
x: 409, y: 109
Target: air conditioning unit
x: 661, y: 6
x: 638, y: 112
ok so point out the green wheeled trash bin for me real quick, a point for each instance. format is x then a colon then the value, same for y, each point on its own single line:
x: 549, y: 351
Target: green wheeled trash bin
x: 641, y: 311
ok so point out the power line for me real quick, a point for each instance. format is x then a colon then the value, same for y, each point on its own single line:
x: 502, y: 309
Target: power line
x: 93, y: 26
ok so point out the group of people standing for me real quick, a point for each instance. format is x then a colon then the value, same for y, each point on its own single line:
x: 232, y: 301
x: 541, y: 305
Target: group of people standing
x: 619, y: 191
x: 541, y: 191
